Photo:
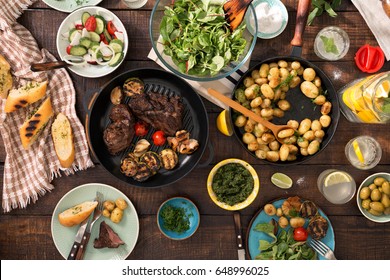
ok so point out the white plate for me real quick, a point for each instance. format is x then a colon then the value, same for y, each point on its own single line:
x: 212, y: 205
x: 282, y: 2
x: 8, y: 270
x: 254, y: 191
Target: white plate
x: 127, y: 228
x: 69, y: 6
x: 89, y: 70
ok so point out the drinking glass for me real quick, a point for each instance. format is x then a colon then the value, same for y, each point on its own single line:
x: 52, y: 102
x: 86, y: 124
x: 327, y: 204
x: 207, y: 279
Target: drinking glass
x: 337, y: 186
x: 363, y: 152
x: 331, y: 43
x: 135, y: 4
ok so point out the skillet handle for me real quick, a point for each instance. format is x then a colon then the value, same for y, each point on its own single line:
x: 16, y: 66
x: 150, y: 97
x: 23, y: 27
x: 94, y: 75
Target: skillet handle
x: 210, y: 158
x: 87, y: 104
x: 302, y: 15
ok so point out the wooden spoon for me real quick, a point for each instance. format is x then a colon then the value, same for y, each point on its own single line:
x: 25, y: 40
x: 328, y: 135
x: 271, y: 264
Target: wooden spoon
x: 248, y: 113
x: 386, y: 7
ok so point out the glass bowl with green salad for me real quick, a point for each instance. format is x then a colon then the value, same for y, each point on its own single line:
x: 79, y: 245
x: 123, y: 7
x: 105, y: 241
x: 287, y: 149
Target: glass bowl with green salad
x: 233, y: 184
x: 193, y: 40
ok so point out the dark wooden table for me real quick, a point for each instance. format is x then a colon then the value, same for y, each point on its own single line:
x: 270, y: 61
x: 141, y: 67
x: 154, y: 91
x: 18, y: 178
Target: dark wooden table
x: 25, y: 233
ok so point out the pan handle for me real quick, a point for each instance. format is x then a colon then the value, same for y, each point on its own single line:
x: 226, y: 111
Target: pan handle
x: 87, y: 107
x: 302, y: 15
x: 210, y: 157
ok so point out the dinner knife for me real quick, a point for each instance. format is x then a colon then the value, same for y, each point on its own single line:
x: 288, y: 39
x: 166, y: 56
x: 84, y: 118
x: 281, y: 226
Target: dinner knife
x: 237, y: 225
x: 78, y: 238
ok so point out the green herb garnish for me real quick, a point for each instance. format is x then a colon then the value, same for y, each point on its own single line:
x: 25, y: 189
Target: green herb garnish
x: 197, y: 37
x: 175, y: 219
x: 329, y: 45
x: 319, y: 6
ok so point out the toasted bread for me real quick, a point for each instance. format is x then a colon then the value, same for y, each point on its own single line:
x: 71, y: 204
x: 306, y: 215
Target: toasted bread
x: 76, y: 214
x: 32, y: 127
x: 62, y: 135
x: 5, y: 77
x: 25, y: 95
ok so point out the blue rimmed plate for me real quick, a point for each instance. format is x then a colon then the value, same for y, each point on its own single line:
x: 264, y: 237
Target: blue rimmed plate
x: 253, y: 236
x: 191, y: 212
x: 127, y: 228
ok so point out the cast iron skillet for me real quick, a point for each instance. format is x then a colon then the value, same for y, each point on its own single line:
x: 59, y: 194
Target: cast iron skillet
x: 195, y: 121
x: 301, y: 106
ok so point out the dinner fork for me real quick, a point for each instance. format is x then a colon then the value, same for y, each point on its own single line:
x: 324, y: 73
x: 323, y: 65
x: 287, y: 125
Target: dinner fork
x: 96, y: 215
x: 322, y: 249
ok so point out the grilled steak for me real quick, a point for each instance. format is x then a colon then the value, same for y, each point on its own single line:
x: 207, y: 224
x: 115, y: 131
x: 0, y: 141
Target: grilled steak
x: 118, y: 135
x: 107, y: 238
x: 158, y: 110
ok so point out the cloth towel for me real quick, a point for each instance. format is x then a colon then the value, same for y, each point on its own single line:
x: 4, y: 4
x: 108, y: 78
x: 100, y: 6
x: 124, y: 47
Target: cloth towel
x: 377, y: 21
x: 224, y: 85
x: 28, y: 173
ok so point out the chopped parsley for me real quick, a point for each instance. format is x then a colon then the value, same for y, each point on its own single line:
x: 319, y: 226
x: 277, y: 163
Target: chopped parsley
x: 175, y: 219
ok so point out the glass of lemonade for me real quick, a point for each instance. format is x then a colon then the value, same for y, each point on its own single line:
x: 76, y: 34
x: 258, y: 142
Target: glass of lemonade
x: 363, y: 152
x: 337, y: 186
x: 331, y: 43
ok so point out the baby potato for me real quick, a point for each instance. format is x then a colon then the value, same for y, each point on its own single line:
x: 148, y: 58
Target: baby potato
x: 267, y: 112
x: 292, y: 148
x: 261, y: 141
x: 266, y: 103
x: 291, y: 157
x: 319, y: 100
x: 293, y: 124
x: 240, y: 121
x: 302, y: 142
x: 283, y: 222
x: 284, y: 152
x: 284, y: 73
x: 284, y: 105
x: 106, y: 213
x: 109, y: 205
x: 274, y: 145
x: 257, y: 131
x: 253, y: 146
x: 274, y: 82
x: 319, y: 134
x: 309, y: 89
x: 261, y: 81
x: 261, y: 154
x: 121, y: 203
x: 326, y: 107
x: 248, y: 138
x: 304, y: 126
x: 116, y: 215
x: 272, y: 156
x: 277, y: 94
x: 309, y: 74
x: 304, y: 151
x: 325, y: 120
x: 290, y: 140
x: 273, y: 65
x: 309, y: 135
x: 273, y: 72
x: 268, y: 137
x: 296, y: 222
x: 279, y: 212
x: 282, y: 64
x: 257, y: 111
x: 295, y: 65
x: 248, y: 81
x: 295, y: 81
x: 316, y: 125
x: 252, y: 91
x: 264, y: 69
x: 263, y: 147
x: 256, y: 102
x: 317, y: 82
x: 249, y: 125
x: 300, y: 70
x: 270, y: 209
x: 286, y: 133
x: 313, y: 147
x: 279, y: 113
x: 255, y: 74
x: 267, y: 91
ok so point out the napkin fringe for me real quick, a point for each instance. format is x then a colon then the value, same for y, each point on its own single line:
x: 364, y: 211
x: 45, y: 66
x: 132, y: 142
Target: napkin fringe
x: 72, y: 170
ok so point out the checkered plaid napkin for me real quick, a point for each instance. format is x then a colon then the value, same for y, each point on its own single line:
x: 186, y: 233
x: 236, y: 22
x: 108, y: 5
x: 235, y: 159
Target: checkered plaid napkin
x: 28, y: 173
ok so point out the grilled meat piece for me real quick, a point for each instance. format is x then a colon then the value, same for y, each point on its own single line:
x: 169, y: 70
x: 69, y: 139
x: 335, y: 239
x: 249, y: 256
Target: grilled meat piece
x: 158, y: 110
x: 318, y: 226
x: 107, y: 238
x: 118, y: 135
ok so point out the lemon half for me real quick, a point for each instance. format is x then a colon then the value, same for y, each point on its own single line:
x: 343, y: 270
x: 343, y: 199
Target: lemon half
x: 223, y: 124
x: 337, y: 177
x: 281, y: 180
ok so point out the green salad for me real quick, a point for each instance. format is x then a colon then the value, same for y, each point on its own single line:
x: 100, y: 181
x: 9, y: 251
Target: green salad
x: 283, y: 246
x: 197, y: 37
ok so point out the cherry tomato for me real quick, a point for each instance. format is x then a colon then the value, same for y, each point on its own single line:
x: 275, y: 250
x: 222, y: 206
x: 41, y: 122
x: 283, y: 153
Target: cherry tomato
x: 141, y: 128
x: 68, y: 49
x: 300, y: 234
x: 159, y: 138
x: 90, y: 24
x: 111, y: 28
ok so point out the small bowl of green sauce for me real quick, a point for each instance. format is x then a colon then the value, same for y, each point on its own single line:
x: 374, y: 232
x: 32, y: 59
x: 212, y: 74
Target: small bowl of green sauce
x: 178, y: 218
x: 233, y: 184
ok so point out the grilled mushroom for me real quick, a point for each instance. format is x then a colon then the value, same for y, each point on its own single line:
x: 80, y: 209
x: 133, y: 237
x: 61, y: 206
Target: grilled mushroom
x: 141, y: 147
x: 169, y: 159
x: 308, y: 209
x: 318, y: 226
x: 152, y: 160
x: 188, y: 146
x: 116, y: 95
x: 133, y: 86
x: 129, y: 167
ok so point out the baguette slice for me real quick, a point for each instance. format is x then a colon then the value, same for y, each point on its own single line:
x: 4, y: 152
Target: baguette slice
x: 32, y: 127
x: 76, y: 214
x: 62, y: 135
x: 5, y: 77
x: 25, y: 95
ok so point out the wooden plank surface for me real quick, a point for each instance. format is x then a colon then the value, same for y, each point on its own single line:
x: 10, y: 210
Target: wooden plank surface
x: 23, y: 229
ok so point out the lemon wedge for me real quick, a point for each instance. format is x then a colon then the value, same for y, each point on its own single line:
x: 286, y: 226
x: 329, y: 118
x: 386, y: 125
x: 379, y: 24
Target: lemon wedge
x: 337, y: 177
x: 281, y: 180
x: 223, y: 124
x: 357, y: 150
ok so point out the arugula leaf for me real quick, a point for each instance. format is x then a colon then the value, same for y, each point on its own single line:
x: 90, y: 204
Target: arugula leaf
x: 329, y: 45
x: 265, y: 227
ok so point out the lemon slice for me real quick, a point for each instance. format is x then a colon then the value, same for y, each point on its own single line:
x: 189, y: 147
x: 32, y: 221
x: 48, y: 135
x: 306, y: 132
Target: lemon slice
x: 336, y: 178
x: 357, y: 150
x: 223, y: 124
x: 281, y: 180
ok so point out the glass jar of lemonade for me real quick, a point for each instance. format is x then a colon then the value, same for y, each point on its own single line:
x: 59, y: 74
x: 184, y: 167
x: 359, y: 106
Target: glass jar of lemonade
x: 367, y: 100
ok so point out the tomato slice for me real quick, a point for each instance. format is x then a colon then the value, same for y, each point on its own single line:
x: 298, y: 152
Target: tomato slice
x: 111, y: 28
x: 300, y: 234
x: 79, y: 26
x: 68, y: 49
x: 141, y: 128
x: 90, y: 24
x: 103, y: 39
x: 159, y: 138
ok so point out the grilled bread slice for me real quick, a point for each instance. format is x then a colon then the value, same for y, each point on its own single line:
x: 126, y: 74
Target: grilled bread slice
x: 25, y: 95
x: 32, y: 127
x: 61, y: 132
x: 5, y: 77
x: 76, y: 214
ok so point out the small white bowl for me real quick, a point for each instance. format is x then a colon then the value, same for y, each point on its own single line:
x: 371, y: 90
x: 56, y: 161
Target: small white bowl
x: 89, y: 70
x: 369, y: 180
x: 271, y: 3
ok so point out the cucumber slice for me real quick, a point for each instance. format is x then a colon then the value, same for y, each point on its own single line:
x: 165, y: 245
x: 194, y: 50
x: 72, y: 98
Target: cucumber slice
x: 94, y: 46
x: 107, y: 35
x: 85, y: 42
x: 117, y: 59
x: 78, y: 50
x: 117, y: 45
x: 72, y: 33
x: 94, y: 36
x: 84, y: 17
x: 100, y: 24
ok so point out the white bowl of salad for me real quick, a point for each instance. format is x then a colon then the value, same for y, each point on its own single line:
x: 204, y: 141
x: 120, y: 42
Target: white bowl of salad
x: 93, y: 41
